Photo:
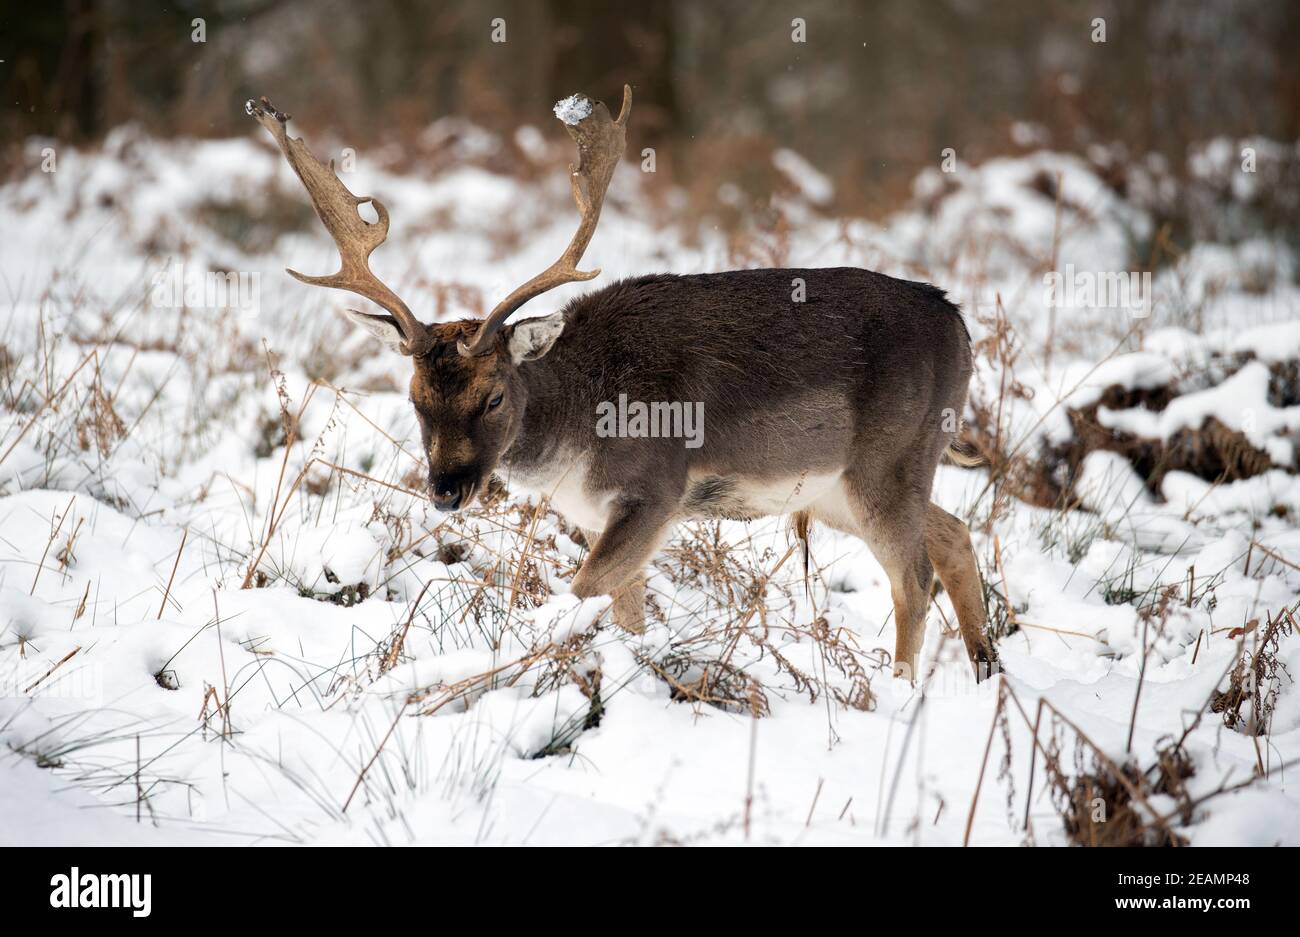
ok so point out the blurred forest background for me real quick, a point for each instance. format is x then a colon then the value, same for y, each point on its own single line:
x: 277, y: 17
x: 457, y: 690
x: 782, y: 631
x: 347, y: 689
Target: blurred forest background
x: 877, y: 91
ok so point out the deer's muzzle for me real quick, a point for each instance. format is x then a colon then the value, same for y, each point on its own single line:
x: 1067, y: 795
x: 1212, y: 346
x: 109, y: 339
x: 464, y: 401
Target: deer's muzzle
x: 452, y: 491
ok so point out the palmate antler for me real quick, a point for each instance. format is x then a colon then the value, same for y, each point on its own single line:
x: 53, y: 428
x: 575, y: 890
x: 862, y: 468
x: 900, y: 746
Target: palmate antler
x: 601, y: 141
x: 355, y: 237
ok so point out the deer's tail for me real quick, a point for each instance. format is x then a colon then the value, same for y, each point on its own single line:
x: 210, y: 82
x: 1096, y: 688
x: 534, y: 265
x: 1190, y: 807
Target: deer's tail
x: 958, y: 456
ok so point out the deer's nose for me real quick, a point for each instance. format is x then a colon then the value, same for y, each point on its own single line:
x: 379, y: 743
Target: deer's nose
x: 450, y: 490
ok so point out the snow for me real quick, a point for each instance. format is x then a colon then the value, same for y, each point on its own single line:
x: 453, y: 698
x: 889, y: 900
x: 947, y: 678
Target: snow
x: 1270, y: 343
x: 574, y: 109
x: 1140, y: 370
x: 375, y: 632
x: 811, y: 182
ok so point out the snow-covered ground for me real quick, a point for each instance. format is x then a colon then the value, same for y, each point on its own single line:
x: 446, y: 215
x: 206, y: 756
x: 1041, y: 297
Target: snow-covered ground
x: 207, y: 636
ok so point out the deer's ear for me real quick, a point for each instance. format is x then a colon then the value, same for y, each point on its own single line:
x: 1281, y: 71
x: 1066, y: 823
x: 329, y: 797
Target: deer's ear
x: 384, y: 328
x: 532, y: 338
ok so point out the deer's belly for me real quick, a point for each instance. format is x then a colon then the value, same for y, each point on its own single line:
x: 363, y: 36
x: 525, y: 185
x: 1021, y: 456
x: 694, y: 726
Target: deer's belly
x: 725, y: 496
x: 742, y: 498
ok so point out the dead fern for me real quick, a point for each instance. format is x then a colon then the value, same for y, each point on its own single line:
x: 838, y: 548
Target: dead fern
x: 1255, y: 681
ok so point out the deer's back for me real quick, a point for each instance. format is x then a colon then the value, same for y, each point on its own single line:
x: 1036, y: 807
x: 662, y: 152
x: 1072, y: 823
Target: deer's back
x: 871, y: 349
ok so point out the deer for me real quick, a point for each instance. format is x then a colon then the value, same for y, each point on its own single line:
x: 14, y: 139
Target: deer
x: 836, y: 409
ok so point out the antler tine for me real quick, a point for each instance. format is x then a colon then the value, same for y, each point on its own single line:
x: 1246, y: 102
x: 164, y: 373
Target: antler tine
x: 601, y: 141
x: 355, y: 237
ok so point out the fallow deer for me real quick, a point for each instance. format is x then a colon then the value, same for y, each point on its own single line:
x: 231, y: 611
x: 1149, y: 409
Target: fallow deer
x: 835, y: 409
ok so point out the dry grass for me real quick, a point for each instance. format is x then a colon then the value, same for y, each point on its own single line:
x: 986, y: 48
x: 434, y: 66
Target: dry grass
x: 1255, y: 680
x: 1099, y: 802
x: 1106, y: 804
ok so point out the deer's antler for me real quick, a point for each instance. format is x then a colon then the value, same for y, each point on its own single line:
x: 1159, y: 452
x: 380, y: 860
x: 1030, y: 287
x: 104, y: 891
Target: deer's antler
x: 355, y: 237
x: 601, y: 141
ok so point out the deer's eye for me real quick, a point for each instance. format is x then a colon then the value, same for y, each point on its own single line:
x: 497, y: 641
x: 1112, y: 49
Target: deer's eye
x: 495, y: 401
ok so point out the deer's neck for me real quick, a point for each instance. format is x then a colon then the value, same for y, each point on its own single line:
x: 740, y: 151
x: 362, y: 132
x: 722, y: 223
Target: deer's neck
x: 544, y: 421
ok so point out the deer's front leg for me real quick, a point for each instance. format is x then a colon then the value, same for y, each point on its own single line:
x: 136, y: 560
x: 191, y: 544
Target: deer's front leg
x: 629, y: 598
x: 616, y: 564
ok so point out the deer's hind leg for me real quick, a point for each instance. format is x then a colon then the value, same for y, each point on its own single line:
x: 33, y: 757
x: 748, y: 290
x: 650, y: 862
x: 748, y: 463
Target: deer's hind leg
x: 896, y: 542
x: 947, y: 543
x: 893, y: 529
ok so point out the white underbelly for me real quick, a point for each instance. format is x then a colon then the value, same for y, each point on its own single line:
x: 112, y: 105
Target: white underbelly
x: 783, y: 495
x: 742, y: 498
x: 568, y: 492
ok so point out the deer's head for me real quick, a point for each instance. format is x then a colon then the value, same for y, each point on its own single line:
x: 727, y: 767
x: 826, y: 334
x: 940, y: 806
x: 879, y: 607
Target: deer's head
x: 466, y: 388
